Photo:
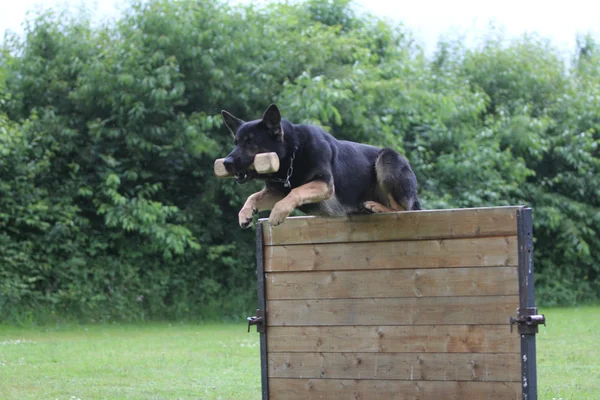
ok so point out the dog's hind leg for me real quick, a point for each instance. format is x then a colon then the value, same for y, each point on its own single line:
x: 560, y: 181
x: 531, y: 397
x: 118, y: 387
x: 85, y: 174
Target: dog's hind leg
x: 376, y: 207
x: 259, y: 201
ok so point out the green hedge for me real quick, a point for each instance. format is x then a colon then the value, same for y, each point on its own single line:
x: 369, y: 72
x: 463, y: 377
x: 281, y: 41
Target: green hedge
x: 108, y: 205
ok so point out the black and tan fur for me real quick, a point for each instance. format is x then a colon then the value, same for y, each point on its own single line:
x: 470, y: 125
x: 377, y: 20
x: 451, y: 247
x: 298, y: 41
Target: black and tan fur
x: 330, y: 177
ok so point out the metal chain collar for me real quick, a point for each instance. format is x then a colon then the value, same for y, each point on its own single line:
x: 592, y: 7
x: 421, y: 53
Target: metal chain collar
x: 290, y: 171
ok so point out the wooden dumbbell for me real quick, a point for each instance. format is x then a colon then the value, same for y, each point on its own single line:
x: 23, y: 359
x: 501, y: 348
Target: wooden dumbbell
x: 264, y: 163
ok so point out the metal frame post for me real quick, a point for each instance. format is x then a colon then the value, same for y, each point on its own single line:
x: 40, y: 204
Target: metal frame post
x: 527, y: 303
x: 262, y: 305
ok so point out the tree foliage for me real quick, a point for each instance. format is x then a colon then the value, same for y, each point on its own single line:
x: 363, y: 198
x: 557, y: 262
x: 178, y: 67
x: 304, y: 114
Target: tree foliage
x: 108, y: 205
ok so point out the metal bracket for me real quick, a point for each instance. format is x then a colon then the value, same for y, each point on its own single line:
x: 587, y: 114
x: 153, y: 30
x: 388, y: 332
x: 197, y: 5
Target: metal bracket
x: 259, y: 320
x: 528, y: 320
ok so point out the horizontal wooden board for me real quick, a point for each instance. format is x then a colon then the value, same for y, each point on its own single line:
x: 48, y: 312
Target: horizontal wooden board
x: 473, y: 252
x: 411, y: 225
x: 489, y: 281
x: 324, y: 389
x: 397, y: 366
x: 394, y: 339
x: 393, y: 311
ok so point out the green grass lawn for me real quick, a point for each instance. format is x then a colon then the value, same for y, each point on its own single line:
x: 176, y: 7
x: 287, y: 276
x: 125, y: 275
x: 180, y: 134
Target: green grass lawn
x: 568, y: 354
x: 183, y: 361
x: 157, y: 361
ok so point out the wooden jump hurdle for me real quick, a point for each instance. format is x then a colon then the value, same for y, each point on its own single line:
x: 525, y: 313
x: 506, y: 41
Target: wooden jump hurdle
x: 412, y: 305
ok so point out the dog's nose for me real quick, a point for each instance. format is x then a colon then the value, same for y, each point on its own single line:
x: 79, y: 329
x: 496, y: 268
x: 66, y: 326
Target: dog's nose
x: 228, y: 163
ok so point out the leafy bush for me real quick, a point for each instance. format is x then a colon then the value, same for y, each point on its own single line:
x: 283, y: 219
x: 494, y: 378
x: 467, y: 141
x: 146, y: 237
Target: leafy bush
x: 108, y: 205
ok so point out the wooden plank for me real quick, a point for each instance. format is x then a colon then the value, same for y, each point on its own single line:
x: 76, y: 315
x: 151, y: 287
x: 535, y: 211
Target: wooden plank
x: 443, y: 282
x: 398, y: 366
x: 395, y: 339
x: 450, y: 253
x: 324, y: 389
x: 393, y: 311
x: 411, y: 225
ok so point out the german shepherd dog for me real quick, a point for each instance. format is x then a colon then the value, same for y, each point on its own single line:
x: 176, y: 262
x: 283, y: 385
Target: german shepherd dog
x: 318, y: 174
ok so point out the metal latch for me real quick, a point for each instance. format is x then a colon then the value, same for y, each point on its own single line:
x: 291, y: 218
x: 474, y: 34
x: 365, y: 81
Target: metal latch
x: 528, y: 320
x: 258, y: 320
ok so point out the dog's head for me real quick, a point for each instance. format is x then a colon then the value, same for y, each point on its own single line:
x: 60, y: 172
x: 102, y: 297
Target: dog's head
x: 259, y: 136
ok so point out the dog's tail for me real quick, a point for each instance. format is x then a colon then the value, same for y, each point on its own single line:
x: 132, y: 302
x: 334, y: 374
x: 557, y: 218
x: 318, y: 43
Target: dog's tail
x: 396, y: 178
x: 417, y: 205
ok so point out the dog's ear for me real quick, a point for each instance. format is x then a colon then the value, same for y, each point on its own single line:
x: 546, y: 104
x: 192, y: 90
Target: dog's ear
x: 233, y: 123
x: 272, y: 119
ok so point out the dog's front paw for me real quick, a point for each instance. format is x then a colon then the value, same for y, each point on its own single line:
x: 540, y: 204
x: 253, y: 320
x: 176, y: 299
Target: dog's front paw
x: 245, y: 216
x: 279, y: 213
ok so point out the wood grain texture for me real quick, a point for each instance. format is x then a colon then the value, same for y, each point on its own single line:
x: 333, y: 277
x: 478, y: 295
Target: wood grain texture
x: 411, y: 225
x: 448, y: 253
x: 325, y: 389
x: 393, y: 311
x: 397, y: 366
x: 395, y: 339
x: 442, y: 282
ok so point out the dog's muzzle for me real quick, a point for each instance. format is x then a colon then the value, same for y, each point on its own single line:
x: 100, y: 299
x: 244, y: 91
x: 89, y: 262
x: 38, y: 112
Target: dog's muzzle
x: 243, y: 177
